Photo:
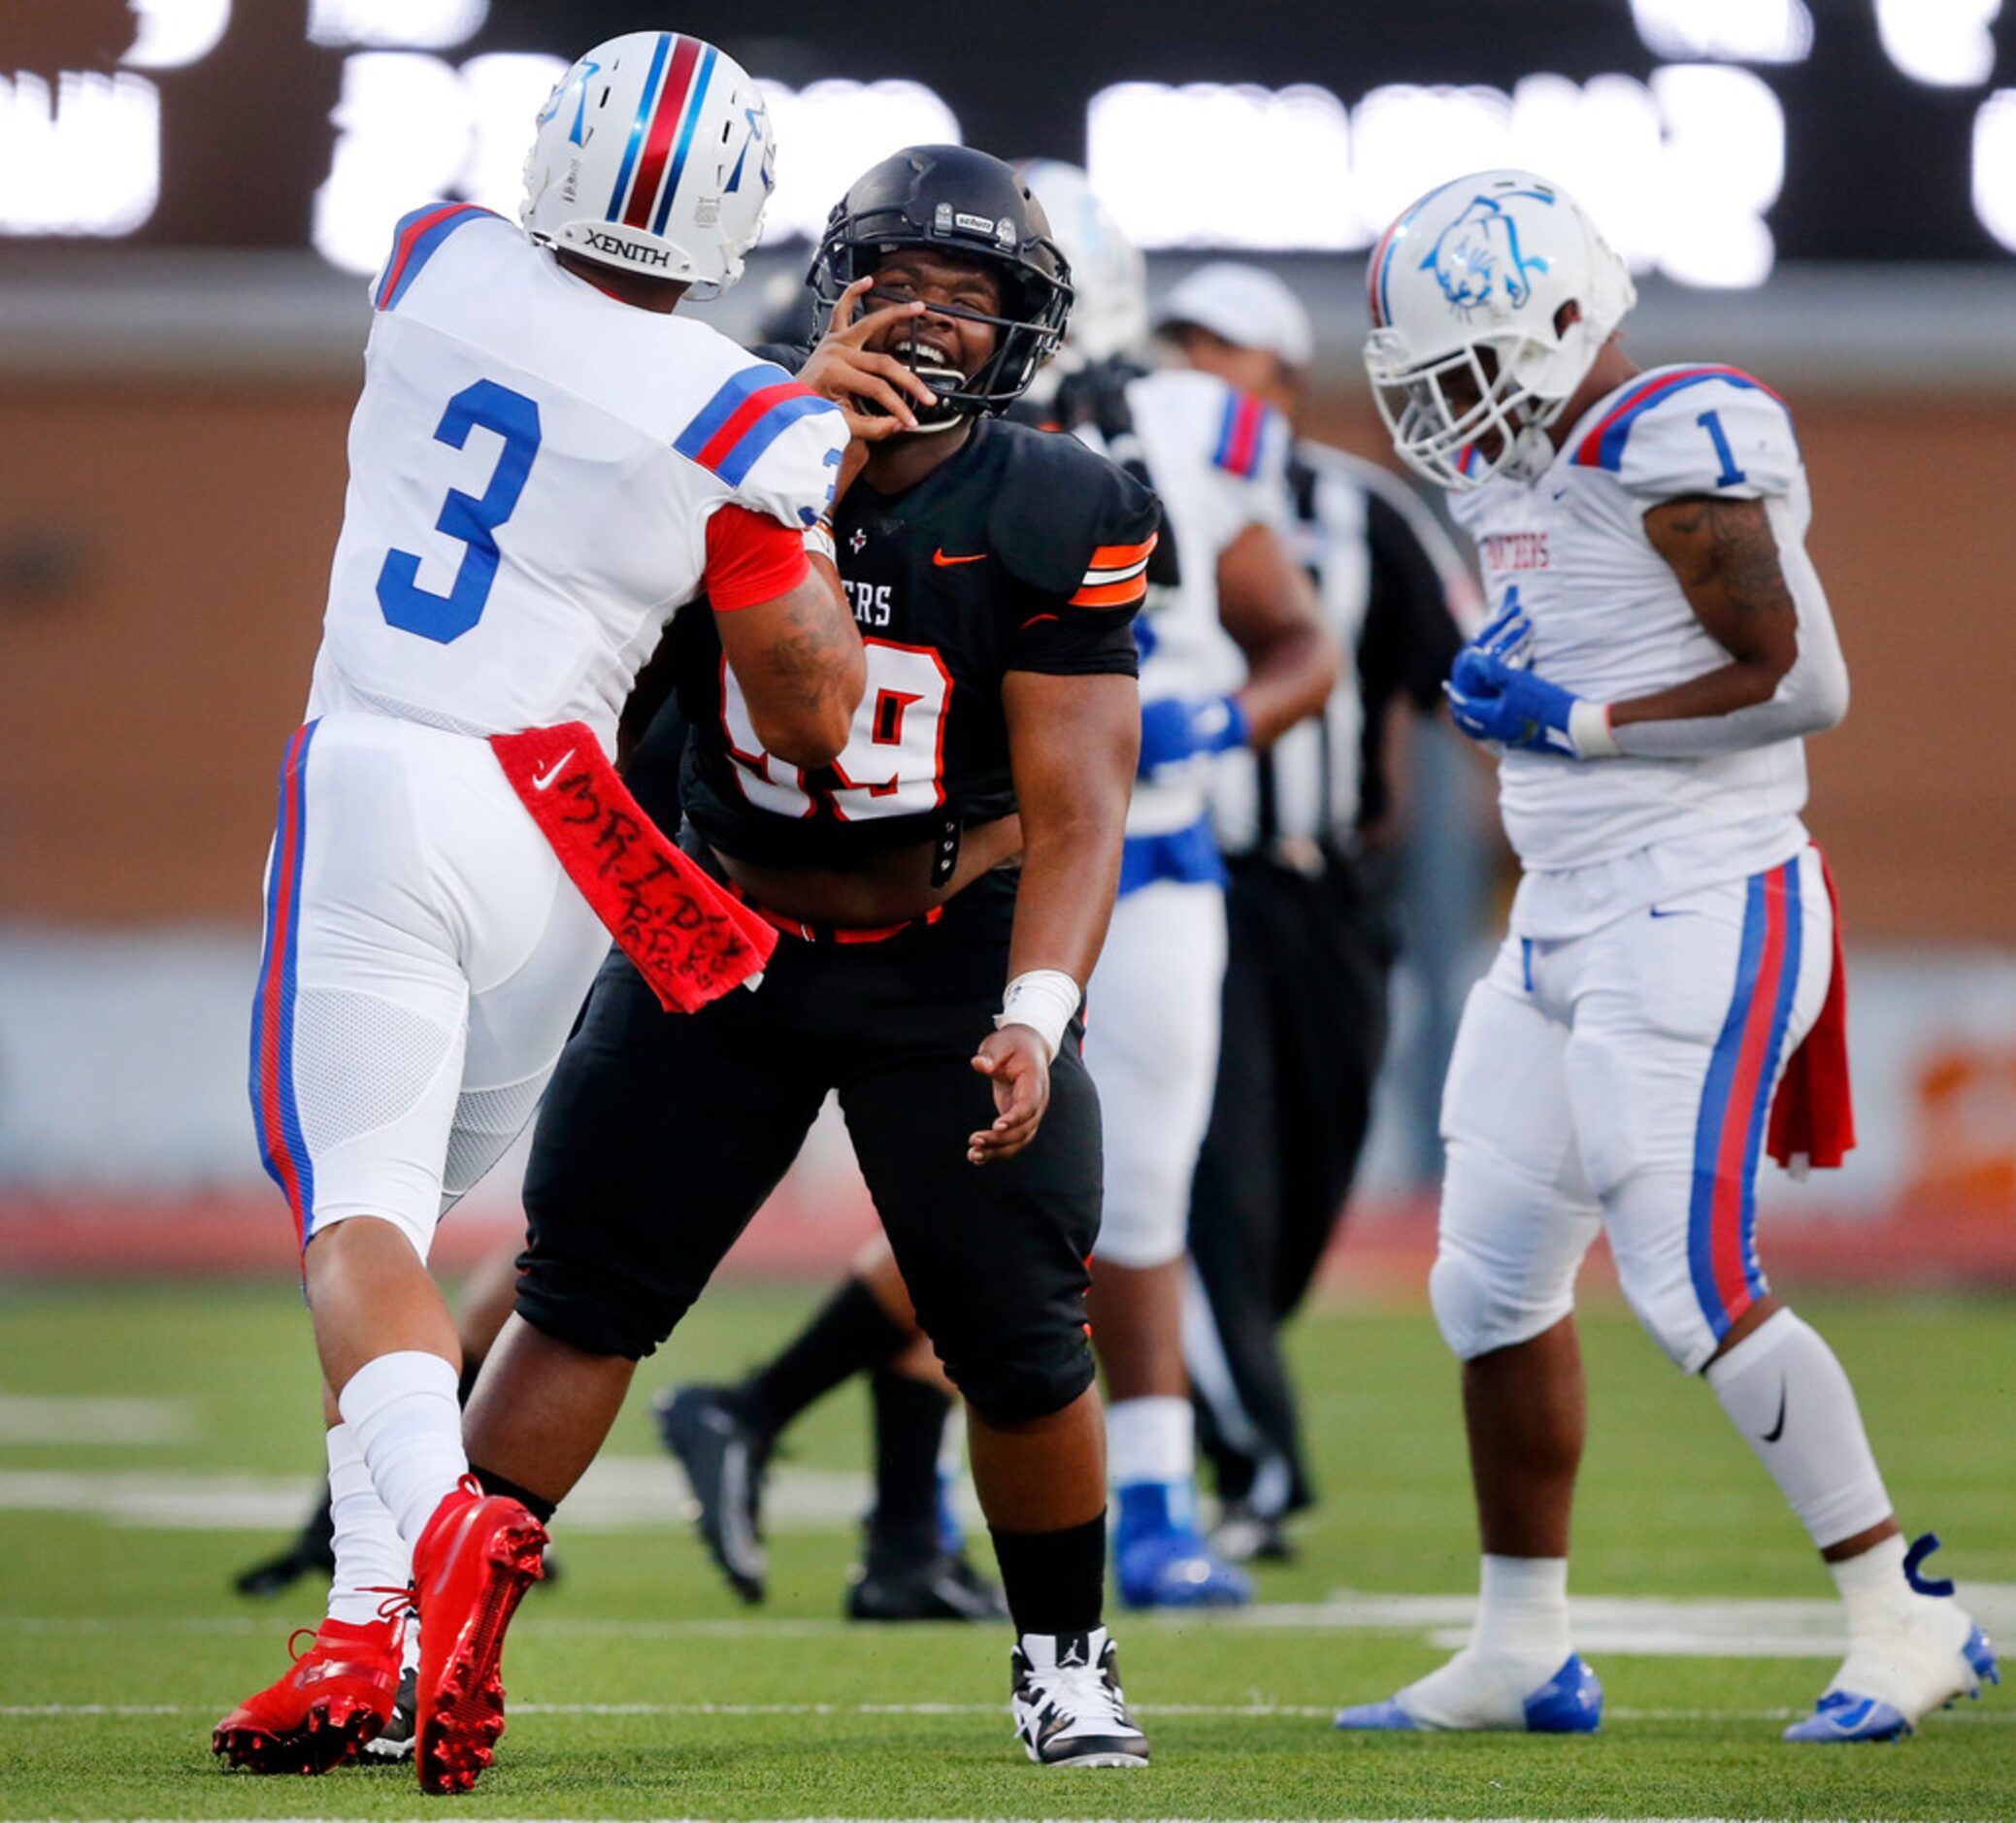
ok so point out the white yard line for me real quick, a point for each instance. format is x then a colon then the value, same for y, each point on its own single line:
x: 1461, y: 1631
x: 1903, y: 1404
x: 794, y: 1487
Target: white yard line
x: 26, y: 1419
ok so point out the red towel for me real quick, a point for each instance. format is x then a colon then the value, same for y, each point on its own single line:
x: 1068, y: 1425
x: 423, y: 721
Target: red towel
x: 691, y: 941
x: 1813, y: 1112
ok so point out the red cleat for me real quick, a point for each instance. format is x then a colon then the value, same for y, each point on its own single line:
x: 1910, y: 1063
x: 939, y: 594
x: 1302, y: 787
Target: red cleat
x: 477, y: 1556
x: 338, y: 1696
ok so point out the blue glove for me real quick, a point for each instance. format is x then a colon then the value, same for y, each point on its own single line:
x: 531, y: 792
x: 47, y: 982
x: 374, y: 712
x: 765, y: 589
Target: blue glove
x: 1174, y: 730
x: 1494, y: 698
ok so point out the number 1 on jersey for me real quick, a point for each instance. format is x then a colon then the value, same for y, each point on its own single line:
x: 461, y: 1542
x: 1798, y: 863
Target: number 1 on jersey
x: 445, y: 618
x: 1731, y: 476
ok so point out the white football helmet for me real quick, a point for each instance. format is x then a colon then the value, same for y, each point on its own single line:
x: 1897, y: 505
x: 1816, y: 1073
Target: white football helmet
x: 1467, y: 287
x: 1109, y: 277
x: 653, y: 154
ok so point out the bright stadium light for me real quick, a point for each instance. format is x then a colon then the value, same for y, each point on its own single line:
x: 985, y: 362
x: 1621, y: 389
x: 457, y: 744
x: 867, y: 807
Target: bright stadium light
x: 1153, y: 156
x: 173, y: 33
x: 1726, y: 31
x: 403, y: 138
x: 1995, y: 166
x: 829, y: 132
x: 1407, y: 139
x: 409, y: 24
x: 1605, y: 141
x: 505, y: 91
x: 1724, y: 164
x: 1946, y: 43
x: 86, y: 161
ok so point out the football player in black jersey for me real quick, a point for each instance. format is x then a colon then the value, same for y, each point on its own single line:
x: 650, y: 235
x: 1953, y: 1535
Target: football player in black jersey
x: 943, y: 889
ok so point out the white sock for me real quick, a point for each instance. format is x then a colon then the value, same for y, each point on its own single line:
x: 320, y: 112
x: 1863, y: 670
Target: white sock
x: 371, y: 1556
x: 1785, y: 1391
x: 1522, y: 1611
x: 1150, y: 1439
x: 403, y: 1411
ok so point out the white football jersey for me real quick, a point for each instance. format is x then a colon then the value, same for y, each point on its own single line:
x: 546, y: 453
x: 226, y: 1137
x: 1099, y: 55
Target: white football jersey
x: 533, y: 465
x: 1600, y: 838
x: 1217, y: 459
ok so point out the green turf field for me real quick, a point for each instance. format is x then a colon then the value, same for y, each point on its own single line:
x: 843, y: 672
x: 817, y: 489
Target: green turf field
x: 642, y: 1690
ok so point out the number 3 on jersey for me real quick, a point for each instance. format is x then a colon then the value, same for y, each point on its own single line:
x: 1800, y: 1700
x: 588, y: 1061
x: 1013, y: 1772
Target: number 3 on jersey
x: 445, y: 618
x: 893, y: 764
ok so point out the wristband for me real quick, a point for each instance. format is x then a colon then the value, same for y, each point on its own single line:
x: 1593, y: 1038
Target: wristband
x: 1589, y: 728
x: 819, y: 542
x: 1043, y: 999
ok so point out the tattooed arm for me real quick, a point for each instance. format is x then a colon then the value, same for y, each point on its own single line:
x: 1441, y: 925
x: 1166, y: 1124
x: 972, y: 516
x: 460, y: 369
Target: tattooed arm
x: 1785, y: 675
x: 799, y: 665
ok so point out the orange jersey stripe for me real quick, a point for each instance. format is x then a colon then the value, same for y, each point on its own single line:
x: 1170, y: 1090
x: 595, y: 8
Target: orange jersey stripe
x: 1118, y: 557
x: 1112, y: 595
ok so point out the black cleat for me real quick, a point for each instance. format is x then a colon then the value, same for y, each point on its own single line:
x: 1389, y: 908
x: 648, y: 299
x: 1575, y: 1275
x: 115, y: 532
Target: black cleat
x: 393, y: 1744
x: 944, y: 1586
x: 1067, y: 1702
x: 725, y: 1456
x: 1243, y: 1536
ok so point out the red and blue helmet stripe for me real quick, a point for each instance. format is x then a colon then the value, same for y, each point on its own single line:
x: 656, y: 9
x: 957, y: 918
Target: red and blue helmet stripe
x: 1242, y: 431
x: 745, y: 417
x: 661, y: 137
x: 1603, y: 445
x: 1736, y: 1098
x: 274, y: 1114
x: 415, y: 240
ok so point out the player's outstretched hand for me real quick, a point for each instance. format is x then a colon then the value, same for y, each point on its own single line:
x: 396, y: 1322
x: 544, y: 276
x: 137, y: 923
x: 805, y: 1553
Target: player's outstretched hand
x: 855, y: 376
x: 1015, y: 1061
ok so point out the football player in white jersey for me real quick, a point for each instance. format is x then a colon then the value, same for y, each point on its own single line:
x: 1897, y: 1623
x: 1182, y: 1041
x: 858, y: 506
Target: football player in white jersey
x: 1661, y: 648
x: 546, y: 463
x: 1234, y: 653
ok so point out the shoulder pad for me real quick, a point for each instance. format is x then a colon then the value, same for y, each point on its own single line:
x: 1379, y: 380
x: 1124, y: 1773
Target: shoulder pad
x: 1070, y: 523
x: 415, y: 240
x: 1695, y: 430
x: 775, y: 445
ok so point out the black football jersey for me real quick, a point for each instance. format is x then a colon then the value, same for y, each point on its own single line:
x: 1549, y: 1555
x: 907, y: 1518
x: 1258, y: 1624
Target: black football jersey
x: 1024, y: 551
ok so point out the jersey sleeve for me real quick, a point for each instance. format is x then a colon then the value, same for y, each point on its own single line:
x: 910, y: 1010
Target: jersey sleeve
x: 1077, y: 533
x: 775, y: 445
x: 1696, y: 431
x: 1237, y: 448
x: 416, y: 242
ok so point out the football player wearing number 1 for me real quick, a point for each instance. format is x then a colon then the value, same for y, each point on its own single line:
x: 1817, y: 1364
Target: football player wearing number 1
x: 541, y: 473
x: 921, y: 975
x: 1662, y: 648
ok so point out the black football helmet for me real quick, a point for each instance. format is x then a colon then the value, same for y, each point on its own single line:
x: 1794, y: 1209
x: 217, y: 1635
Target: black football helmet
x: 955, y: 200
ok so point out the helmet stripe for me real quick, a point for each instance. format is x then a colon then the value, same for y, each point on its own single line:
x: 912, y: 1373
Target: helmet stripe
x: 636, y: 126
x: 679, y: 158
x: 665, y: 119
x: 1381, y: 267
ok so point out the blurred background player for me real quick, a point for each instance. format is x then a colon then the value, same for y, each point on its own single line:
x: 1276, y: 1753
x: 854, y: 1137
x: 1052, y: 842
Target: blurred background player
x: 1661, y: 647
x: 1234, y: 655
x: 942, y: 888
x: 521, y: 522
x: 1308, y: 829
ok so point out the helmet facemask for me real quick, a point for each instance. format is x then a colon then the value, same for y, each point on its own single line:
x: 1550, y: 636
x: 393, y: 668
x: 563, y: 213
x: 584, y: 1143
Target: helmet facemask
x: 1441, y: 411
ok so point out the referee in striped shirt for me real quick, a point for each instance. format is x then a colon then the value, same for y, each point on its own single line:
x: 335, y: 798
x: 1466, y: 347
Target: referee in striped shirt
x: 1302, y: 827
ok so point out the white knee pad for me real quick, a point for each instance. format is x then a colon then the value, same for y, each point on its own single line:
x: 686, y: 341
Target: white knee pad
x: 1507, y: 1256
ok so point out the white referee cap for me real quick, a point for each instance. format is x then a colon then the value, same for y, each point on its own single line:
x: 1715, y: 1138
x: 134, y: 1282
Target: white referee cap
x: 1244, y: 304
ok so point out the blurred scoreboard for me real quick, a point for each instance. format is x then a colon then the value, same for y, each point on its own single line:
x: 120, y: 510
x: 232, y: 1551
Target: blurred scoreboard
x: 1711, y: 138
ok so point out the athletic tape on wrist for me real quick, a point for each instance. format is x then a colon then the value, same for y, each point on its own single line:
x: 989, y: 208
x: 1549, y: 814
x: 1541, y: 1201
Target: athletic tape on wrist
x: 1043, y: 999
x: 1589, y: 728
x: 819, y: 542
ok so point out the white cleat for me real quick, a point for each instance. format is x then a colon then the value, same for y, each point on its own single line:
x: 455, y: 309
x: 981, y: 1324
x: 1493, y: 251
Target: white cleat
x: 1067, y: 1702
x: 1497, y: 1692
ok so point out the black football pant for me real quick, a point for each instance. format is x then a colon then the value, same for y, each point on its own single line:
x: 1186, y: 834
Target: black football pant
x: 1304, y: 1025
x: 663, y: 1133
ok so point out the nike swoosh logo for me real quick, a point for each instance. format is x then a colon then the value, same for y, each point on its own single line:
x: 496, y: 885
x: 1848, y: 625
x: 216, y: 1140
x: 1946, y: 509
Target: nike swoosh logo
x: 1682, y: 913
x: 541, y: 781
x: 944, y: 562
x: 1777, y: 1430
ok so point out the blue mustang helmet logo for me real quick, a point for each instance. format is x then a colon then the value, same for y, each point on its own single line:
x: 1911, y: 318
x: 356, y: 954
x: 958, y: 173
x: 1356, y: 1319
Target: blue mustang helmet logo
x: 574, y: 81
x: 1476, y: 257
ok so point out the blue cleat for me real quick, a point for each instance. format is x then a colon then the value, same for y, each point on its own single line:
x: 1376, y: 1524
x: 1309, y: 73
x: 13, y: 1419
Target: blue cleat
x: 1160, y: 1557
x: 1568, y: 1702
x: 1840, y: 1716
x: 1177, y: 1568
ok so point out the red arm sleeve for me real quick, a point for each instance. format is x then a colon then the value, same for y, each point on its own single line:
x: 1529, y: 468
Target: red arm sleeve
x: 750, y: 558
